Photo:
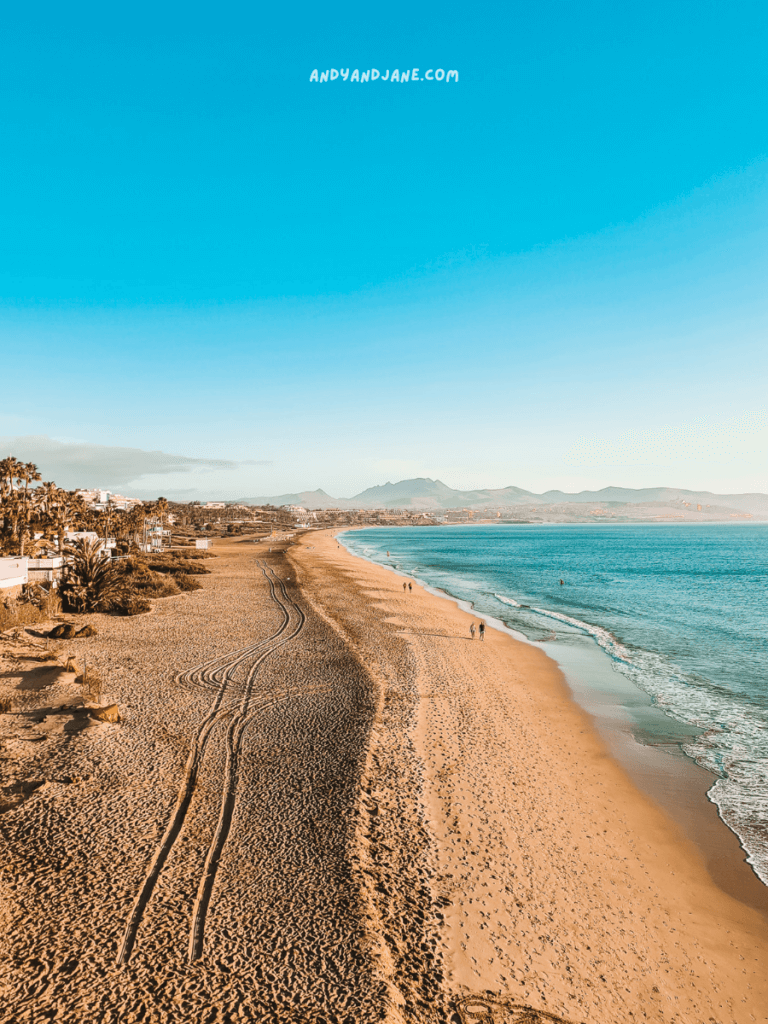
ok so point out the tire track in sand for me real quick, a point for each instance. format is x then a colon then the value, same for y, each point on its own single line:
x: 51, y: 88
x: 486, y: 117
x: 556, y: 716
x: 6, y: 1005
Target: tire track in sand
x: 211, y: 675
x: 235, y: 733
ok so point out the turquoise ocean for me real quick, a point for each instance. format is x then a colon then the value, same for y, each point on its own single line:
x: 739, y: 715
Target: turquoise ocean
x: 677, y: 612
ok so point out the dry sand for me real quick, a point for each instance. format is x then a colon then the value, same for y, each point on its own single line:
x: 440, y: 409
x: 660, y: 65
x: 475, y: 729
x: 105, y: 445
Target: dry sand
x: 270, y: 822
x: 324, y: 803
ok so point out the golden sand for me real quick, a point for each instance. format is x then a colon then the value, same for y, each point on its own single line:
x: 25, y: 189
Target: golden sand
x: 561, y: 886
x: 323, y: 803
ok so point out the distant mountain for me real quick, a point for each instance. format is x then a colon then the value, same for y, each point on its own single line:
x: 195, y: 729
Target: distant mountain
x: 433, y: 495
x: 307, y: 499
x: 421, y: 491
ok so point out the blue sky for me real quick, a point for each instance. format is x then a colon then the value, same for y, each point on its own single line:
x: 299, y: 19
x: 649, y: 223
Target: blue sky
x: 550, y: 274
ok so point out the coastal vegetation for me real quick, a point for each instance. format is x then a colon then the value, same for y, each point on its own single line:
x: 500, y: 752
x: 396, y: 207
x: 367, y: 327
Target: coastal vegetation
x: 124, y: 587
x: 36, y: 516
x: 39, y: 519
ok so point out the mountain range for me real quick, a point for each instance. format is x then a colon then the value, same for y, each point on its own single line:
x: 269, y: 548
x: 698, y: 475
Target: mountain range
x: 433, y: 495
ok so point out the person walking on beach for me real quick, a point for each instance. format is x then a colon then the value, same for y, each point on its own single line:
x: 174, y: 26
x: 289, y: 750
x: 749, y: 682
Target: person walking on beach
x: 410, y: 586
x: 482, y: 631
x: 472, y: 630
x: 404, y: 586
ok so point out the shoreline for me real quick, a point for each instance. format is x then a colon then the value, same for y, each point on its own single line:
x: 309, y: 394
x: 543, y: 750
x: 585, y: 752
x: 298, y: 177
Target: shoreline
x: 563, y: 886
x: 663, y: 771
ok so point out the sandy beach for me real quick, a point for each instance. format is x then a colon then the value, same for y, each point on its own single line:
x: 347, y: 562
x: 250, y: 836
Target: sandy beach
x: 325, y: 803
x: 231, y: 780
x: 555, y: 884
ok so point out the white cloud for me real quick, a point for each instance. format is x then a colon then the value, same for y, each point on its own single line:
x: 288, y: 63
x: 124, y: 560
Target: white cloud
x: 80, y: 464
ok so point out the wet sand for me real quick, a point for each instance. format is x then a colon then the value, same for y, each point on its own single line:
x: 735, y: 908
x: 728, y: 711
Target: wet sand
x: 324, y: 803
x: 680, y: 786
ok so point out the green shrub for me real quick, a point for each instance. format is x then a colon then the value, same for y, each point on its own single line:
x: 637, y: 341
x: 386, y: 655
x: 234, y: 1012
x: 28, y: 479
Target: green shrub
x: 174, y: 564
x: 138, y: 578
x: 192, y: 569
x: 159, y: 586
x: 19, y: 613
x: 130, y: 604
x: 187, y: 582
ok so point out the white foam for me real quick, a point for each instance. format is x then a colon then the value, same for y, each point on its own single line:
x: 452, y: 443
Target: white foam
x: 733, y: 744
x: 605, y: 639
x: 507, y: 600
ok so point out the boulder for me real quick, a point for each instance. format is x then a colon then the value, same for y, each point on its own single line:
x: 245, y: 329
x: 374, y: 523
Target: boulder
x: 108, y: 713
x: 87, y: 631
x: 66, y: 631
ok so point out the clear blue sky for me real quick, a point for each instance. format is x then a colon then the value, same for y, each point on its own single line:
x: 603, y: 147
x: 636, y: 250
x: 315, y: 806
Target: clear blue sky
x: 551, y: 273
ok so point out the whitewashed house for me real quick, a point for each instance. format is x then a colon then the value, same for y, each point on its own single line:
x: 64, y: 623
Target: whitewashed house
x: 101, y: 499
x: 13, y: 576
x: 45, y: 570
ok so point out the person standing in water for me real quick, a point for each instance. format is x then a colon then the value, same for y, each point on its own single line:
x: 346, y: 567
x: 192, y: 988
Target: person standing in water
x: 472, y: 630
x: 482, y: 631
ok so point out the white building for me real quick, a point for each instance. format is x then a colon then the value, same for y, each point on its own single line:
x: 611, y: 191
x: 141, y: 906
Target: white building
x: 101, y: 500
x: 13, y: 575
x: 303, y: 516
x: 45, y: 570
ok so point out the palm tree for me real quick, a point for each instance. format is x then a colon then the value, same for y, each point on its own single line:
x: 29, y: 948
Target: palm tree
x: 55, y: 510
x: 10, y: 471
x: 60, y: 510
x: 29, y: 474
x: 11, y: 510
x: 91, y: 580
x: 15, y: 478
x: 157, y: 513
x: 47, y: 500
x: 132, y: 523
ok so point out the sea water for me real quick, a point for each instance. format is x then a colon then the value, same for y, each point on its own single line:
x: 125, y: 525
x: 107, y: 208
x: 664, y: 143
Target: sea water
x: 679, y: 609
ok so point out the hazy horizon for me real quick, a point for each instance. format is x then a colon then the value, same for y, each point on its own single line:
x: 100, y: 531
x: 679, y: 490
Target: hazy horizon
x: 131, y: 470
